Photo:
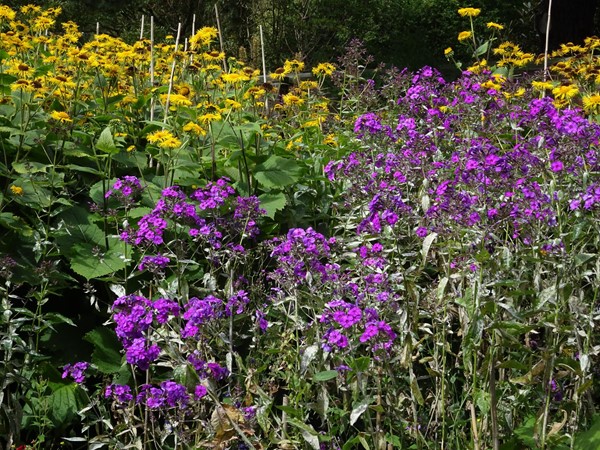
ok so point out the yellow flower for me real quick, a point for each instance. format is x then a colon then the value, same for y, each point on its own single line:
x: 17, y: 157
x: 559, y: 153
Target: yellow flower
x: 131, y: 148
x: 469, y: 12
x: 464, y: 35
x: 60, y: 116
x: 203, y: 37
x: 175, y: 100
x: 16, y: 190
x: 7, y: 13
x: 230, y: 103
x: 448, y: 51
x: 323, y: 69
x: 233, y: 78
x: 194, y: 128
x: 213, y: 55
x: 330, y: 139
x: 279, y: 74
x: 209, y: 117
x: 565, y: 92
x: 591, y: 103
x: 164, y: 139
x: 495, y: 26
x: 293, y: 66
x: 292, y: 99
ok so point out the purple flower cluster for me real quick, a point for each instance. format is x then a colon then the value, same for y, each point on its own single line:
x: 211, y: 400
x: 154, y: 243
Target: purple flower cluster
x: 126, y: 190
x: 76, y: 371
x: 301, y: 254
x: 134, y: 316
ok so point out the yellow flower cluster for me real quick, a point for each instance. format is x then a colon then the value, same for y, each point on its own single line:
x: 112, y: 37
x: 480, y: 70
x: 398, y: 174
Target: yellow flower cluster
x: 469, y: 12
x: 163, y: 139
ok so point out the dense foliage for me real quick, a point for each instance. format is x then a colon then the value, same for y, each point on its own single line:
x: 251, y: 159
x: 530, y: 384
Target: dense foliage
x: 196, y: 256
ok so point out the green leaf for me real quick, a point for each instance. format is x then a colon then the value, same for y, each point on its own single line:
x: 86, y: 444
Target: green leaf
x: 106, y: 356
x: 86, y: 262
x: 427, y: 245
x: 359, y: 408
x: 325, y: 375
x: 482, y: 49
x: 106, y: 142
x: 30, y: 167
x: 277, y: 172
x: 272, y: 202
x: 63, y: 404
x: 589, y: 439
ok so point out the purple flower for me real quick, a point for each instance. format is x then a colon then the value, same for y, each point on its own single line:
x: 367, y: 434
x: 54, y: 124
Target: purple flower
x: 154, y: 263
x: 121, y: 393
x: 76, y: 371
x: 141, y: 354
x: 200, y: 391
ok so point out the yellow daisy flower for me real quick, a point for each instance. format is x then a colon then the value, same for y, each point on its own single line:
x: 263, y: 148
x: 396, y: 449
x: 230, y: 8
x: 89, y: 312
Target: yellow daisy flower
x: 469, y: 12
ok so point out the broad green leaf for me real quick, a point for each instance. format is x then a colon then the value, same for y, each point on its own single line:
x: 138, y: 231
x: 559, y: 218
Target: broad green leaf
x: 482, y: 49
x: 63, y: 404
x: 325, y: 375
x: 106, y: 142
x: 272, y: 202
x: 89, y: 262
x: 277, y: 172
x: 589, y: 439
x: 30, y: 167
x: 106, y: 356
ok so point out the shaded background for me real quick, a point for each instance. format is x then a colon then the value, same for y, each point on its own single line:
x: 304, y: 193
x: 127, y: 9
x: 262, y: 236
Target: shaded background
x: 404, y: 33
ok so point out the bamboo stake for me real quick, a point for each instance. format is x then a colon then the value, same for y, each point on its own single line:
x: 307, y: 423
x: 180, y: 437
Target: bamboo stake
x: 142, y: 29
x: 151, y: 160
x: 172, y: 73
x: 264, y: 65
x: 547, y: 43
x: 220, y: 36
x: 151, y: 67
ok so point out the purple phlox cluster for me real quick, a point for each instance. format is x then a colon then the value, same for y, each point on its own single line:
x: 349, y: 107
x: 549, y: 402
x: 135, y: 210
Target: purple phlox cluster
x: 372, y: 256
x: 214, y: 194
x: 261, y: 320
x: 198, y: 312
x: 247, y: 212
x: 76, y: 371
x: 371, y: 123
x: 141, y: 353
x: 163, y: 308
x: 236, y: 304
x: 134, y: 316
x: 342, y: 313
x: 119, y: 392
x: 126, y: 190
x: 379, y: 335
x: 154, y: 263
x: 205, y: 369
x: 304, y: 255
x: 588, y: 200
x: 334, y: 340
x: 169, y: 394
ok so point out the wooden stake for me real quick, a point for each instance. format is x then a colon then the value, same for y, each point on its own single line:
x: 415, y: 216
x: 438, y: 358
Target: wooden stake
x: 547, y: 43
x: 142, y: 29
x: 264, y: 64
x: 172, y: 73
x: 151, y: 67
x: 97, y: 28
x: 220, y: 37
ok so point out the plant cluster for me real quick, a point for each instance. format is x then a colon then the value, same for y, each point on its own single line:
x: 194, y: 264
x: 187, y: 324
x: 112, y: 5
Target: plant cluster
x: 413, y: 264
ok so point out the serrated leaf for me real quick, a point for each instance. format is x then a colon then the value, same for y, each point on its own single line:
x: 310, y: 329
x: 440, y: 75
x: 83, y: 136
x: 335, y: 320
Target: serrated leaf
x: 106, y: 355
x: 359, y: 409
x: 277, y: 172
x: 86, y: 263
x: 272, y: 202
